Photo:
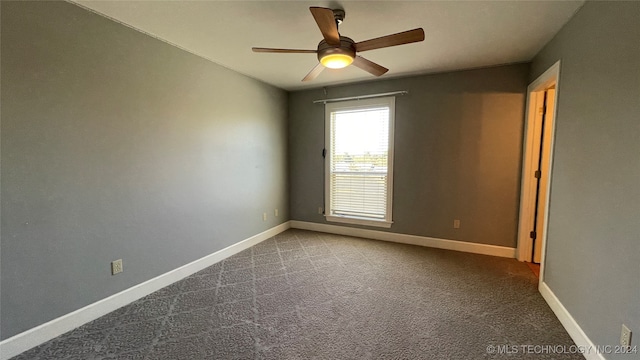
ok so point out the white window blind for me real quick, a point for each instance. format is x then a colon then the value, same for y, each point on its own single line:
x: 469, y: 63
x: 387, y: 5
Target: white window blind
x: 359, y: 161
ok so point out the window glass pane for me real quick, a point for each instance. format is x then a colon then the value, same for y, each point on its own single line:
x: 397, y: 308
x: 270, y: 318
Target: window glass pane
x: 359, y: 161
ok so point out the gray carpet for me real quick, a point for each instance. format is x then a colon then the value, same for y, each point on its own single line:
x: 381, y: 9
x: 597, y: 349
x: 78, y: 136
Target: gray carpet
x: 308, y: 295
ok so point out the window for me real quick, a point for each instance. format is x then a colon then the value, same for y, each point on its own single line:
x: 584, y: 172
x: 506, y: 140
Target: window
x: 359, y: 163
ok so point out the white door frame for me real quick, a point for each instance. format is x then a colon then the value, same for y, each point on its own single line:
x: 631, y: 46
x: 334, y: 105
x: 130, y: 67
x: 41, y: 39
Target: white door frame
x: 529, y: 166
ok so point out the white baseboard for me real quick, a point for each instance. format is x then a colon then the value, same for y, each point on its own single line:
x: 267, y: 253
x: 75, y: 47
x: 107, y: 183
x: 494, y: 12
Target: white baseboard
x: 56, y: 327
x: 575, y: 331
x: 464, y: 246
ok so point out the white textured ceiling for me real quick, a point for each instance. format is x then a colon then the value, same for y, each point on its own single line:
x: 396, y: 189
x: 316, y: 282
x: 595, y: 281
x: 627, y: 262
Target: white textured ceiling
x: 458, y: 35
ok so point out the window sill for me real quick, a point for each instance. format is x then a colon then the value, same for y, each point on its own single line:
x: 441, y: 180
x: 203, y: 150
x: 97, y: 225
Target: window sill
x: 359, y: 221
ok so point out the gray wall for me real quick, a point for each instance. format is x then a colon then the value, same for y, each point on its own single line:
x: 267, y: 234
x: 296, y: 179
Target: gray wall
x: 116, y: 145
x: 458, y: 150
x: 593, y: 244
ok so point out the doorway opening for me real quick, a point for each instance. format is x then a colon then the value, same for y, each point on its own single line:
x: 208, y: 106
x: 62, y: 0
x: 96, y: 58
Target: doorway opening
x: 537, y: 160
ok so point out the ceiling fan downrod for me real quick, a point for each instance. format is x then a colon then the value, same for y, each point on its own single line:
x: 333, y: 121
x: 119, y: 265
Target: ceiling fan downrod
x: 338, y: 14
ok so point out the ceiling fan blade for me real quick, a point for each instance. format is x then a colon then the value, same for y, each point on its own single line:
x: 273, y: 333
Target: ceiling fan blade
x: 369, y: 66
x: 402, y: 38
x: 283, y: 51
x: 327, y: 24
x: 314, y: 72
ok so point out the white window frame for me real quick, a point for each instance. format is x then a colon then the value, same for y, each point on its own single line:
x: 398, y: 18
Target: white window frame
x: 359, y: 104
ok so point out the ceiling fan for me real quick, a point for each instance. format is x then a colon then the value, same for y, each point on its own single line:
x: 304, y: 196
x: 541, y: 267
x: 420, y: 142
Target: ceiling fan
x: 337, y: 51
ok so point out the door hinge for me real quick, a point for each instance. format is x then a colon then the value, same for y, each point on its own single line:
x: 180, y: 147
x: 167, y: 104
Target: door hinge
x: 537, y: 174
x: 533, y: 235
x: 324, y: 153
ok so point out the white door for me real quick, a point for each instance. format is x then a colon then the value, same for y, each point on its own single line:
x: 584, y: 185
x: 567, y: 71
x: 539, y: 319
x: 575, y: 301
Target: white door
x: 544, y: 168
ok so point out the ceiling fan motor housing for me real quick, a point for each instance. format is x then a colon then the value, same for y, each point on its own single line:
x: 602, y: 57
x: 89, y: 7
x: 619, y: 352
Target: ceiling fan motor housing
x: 346, y: 47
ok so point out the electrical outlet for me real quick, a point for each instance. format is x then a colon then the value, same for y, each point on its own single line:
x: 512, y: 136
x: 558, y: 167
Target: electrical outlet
x: 320, y: 211
x: 275, y: 212
x: 625, y: 337
x: 264, y: 216
x: 456, y: 224
x: 116, y: 267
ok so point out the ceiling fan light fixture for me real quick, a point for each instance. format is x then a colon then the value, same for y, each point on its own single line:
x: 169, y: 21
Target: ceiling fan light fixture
x: 336, y: 61
x: 337, y: 57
